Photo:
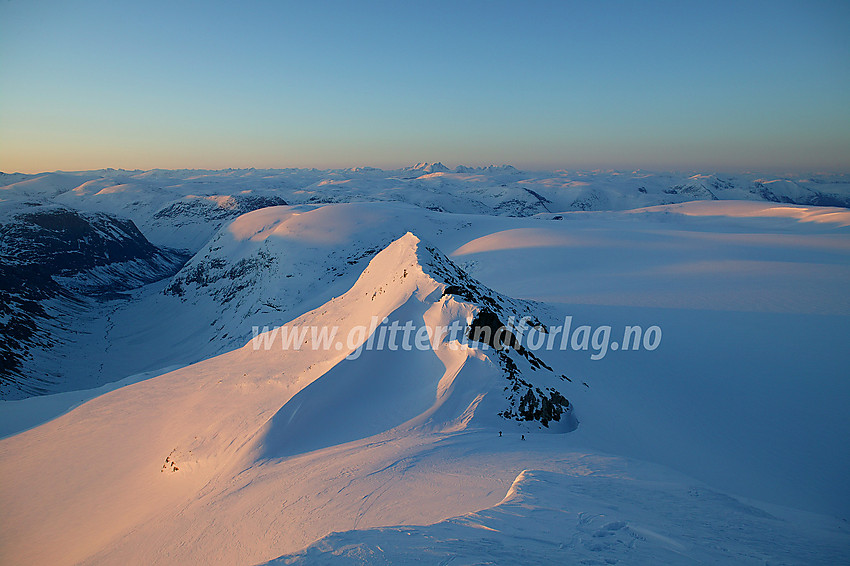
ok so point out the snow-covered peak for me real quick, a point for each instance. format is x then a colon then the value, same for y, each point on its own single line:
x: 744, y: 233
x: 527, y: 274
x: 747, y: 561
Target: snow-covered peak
x: 425, y: 167
x: 504, y: 168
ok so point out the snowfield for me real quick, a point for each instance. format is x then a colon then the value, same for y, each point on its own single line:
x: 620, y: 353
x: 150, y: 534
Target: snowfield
x: 154, y: 412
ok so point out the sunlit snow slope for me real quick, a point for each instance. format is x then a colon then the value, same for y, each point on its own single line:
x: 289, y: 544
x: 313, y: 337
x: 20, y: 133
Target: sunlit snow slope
x: 165, y: 450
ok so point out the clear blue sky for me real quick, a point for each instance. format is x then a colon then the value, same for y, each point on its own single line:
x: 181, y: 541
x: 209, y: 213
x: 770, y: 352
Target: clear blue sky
x: 674, y: 85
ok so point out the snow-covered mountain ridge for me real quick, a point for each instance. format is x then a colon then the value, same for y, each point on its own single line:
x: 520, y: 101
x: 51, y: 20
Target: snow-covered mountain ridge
x: 183, y: 208
x: 290, y: 403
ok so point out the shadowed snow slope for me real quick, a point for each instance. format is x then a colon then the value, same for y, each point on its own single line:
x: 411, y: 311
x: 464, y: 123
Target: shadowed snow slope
x: 559, y: 518
x: 748, y: 209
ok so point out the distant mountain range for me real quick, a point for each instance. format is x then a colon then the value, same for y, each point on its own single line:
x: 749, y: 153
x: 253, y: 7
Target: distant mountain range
x: 69, y: 240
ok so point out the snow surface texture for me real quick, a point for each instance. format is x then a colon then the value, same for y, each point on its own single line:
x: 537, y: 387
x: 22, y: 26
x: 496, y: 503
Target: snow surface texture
x: 724, y: 445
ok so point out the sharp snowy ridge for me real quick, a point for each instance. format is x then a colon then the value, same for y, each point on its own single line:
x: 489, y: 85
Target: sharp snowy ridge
x: 255, y: 409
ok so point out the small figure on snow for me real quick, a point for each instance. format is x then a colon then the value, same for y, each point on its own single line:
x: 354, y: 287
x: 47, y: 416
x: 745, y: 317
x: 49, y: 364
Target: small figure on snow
x: 523, y: 437
x: 500, y: 434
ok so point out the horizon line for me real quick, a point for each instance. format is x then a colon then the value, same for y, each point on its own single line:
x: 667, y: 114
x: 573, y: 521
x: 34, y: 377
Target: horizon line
x: 454, y: 169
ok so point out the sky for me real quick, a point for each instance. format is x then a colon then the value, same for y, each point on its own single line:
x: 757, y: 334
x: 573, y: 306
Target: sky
x: 678, y: 85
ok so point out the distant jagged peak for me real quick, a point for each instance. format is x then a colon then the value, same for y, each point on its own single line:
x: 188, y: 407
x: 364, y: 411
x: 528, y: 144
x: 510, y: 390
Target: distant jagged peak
x: 425, y: 167
x: 363, y: 169
x: 501, y: 169
x: 504, y: 168
x: 706, y: 178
